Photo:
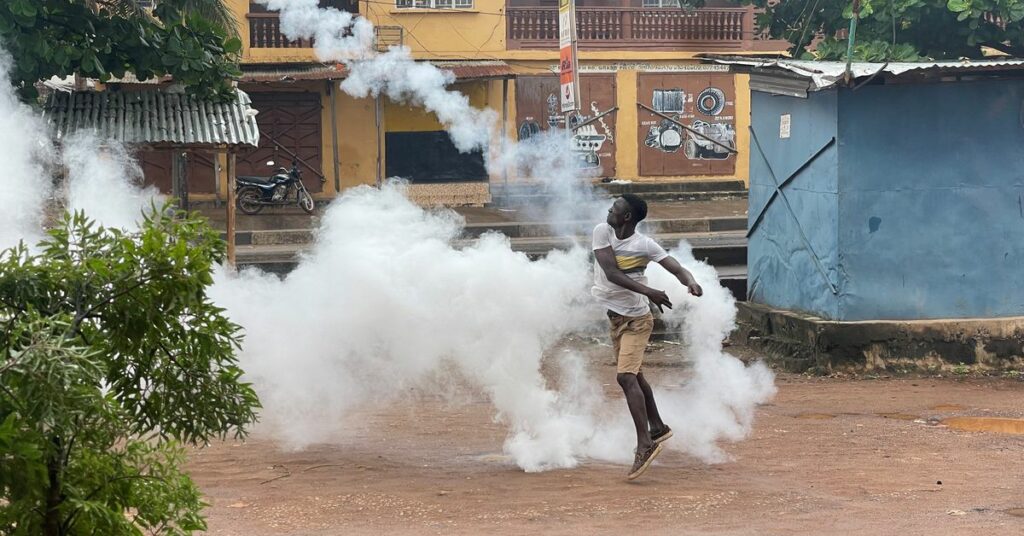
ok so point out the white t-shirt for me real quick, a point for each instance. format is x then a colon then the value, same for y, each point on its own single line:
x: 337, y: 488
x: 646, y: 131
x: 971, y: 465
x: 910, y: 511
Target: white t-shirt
x: 632, y: 255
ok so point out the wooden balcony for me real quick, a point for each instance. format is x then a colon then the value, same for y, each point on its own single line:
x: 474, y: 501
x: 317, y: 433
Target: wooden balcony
x: 705, y: 29
x: 265, y: 32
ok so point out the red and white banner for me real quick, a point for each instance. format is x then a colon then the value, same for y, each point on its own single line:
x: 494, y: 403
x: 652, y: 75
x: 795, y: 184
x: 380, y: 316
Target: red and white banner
x: 569, y: 91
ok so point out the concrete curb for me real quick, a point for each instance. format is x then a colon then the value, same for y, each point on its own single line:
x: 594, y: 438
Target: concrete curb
x: 805, y: 343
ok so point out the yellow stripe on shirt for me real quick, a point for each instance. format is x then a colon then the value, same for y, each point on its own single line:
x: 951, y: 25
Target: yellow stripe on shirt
x: 630, y: 263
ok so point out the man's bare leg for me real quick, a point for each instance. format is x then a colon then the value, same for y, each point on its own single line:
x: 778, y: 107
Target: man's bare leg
x: 653, y: 417
x: 635, y: 399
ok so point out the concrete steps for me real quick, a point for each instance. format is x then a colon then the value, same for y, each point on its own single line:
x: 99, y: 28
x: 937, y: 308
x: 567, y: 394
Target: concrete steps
x: 518, y: 194
x: 658, y: 227
x: 716, y: 230
x: 726, y: 251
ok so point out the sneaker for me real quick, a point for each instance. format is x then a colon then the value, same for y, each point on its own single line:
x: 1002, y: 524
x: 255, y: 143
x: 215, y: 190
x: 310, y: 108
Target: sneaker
x: 661, y: 435
x: 643, y: 461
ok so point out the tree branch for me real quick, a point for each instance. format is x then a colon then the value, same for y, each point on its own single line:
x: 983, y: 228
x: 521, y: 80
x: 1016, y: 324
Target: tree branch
x: 80, y: 317
x: 70, y: 521
x: 1015, y: 51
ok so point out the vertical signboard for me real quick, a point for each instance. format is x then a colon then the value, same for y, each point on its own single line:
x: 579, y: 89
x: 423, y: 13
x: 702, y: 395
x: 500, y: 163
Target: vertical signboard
x: 568, y: 92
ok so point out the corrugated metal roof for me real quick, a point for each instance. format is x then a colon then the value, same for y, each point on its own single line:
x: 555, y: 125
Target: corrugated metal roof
x: 154, y: 117
x: 477, y: 69
x: 130, y: 78
x: 289, y: 72
x: 825, y: 74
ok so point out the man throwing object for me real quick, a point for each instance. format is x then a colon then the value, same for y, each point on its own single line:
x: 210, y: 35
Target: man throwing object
x: 621, y: 256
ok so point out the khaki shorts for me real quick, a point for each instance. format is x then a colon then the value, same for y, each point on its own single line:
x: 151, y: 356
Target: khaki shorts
x: 629, y: 337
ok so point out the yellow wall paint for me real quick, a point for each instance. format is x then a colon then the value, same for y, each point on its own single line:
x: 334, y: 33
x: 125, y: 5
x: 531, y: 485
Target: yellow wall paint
x: 408, y: 118
x: 357, y: 132
x: 476, y: 33
x: 743, y: 127
x: 626, y: 151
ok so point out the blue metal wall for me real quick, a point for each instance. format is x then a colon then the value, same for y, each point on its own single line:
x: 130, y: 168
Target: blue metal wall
x: 919, y: 214
x: 931, y: 200
x: 781, y: 269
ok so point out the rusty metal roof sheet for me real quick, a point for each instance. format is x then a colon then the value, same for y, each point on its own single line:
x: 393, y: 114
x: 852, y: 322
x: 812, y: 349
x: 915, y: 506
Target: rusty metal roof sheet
x: 825, y: 74
x: 154, y: 117
x: 477, y: 69
x: 290, y: 72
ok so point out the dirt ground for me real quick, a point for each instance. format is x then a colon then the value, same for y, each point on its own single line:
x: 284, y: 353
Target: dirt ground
x: 827, y: 456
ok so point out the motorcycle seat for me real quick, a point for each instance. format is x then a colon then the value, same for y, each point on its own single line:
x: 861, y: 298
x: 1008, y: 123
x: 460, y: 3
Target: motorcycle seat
x: 257, y: 180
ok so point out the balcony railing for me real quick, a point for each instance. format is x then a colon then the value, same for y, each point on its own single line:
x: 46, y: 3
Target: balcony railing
x: 265, y: 32
x: 631, y: 27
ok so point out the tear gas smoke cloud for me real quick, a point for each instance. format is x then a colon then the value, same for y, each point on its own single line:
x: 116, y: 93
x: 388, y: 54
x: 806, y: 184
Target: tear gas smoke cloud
x: 105, y: 182
x: 24, y: 187
x: 547, y: 159
x: 399, y: 304
x: 343, y: 38
x: 404, y: 307
x: 718, y: 401
x: 102, y: 178
x: 570, y: 204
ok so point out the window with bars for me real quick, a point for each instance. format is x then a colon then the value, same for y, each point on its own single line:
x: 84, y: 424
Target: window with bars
x: 434, y: 4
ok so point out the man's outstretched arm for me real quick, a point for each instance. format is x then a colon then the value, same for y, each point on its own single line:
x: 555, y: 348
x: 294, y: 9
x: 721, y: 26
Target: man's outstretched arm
x: 606, y: 260
x: 682, y: 274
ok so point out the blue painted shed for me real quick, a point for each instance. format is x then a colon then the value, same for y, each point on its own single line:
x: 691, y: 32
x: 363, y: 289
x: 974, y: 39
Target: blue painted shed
x: 896, y: 193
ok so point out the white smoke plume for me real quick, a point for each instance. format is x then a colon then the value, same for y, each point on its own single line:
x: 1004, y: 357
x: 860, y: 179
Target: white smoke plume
x: 105, y: 182
x: 101, y: 178
x: 25, y: 183
x: 545, y: 160
x: 386, y: 303
x: 718, y: 402
x: 568, y: 201
x: 343, y: 38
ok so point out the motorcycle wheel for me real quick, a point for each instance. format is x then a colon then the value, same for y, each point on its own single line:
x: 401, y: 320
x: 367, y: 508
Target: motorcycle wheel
x: 249, y: 201
x: 306, y: 202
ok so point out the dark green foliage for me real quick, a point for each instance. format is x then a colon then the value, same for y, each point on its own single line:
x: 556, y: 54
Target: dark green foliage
x: 898, y: 30
x: 111, y: 357
x: 192, y: 40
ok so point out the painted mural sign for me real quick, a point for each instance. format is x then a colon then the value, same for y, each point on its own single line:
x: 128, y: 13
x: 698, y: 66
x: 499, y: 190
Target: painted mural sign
x: 567, y: 56
x: 645, y: 67
x: 538, y: 108
x: 705, y: 104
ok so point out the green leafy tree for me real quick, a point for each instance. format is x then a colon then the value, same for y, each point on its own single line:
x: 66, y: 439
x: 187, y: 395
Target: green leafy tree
x: 897, y: 30
x: 195, y: 41
x: 112, y: 360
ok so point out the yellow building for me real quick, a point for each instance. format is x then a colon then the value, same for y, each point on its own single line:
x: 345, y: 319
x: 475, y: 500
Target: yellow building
x: 639, y: 56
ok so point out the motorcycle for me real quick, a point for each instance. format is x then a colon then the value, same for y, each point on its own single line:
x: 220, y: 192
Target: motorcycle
x: 254, y: 193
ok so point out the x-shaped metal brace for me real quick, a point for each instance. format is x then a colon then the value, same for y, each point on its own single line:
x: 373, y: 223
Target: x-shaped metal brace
x: 779, y: 193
